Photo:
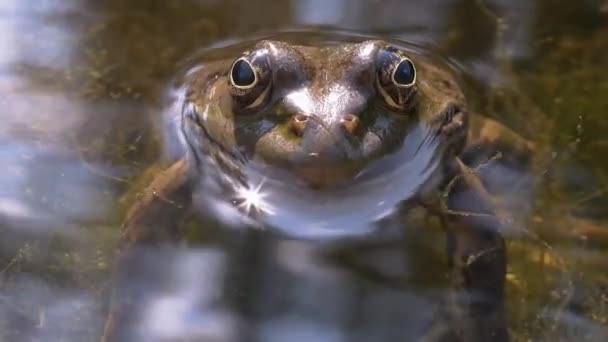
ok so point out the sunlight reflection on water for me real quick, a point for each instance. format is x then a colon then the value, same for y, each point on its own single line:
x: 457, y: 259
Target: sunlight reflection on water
x: 58, y: 208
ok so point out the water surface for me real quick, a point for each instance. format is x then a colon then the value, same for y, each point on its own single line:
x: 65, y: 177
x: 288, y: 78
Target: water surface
x: 84, y: 86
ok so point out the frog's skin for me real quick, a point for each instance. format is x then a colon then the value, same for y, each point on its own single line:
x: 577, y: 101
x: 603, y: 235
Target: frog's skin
x: 321, y: 115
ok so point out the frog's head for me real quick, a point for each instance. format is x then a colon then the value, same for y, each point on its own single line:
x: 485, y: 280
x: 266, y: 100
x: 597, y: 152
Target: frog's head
x: 321, y: 113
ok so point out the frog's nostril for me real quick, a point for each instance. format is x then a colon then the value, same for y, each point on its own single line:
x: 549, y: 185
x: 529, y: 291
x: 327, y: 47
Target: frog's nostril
x: 350, y: 123
x: 301, y: 118
x: 298, y: 124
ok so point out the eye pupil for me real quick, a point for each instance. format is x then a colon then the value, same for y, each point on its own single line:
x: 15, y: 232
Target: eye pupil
x: 242, y: 73
x: 405, y: 73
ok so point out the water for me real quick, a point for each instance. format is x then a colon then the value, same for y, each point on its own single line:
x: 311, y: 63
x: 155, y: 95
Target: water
x: 84, y: 85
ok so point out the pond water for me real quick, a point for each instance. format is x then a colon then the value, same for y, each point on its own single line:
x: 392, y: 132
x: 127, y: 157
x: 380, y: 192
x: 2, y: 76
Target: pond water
x: 84, y: 86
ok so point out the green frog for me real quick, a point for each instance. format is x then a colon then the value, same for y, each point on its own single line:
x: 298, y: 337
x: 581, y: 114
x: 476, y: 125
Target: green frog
x: 321, y: 126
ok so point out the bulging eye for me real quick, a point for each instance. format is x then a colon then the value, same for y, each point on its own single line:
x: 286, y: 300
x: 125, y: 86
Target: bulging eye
x: 242, y: 74
x: 250, y: 81
x: 404, y: 74
x: 396, y: 78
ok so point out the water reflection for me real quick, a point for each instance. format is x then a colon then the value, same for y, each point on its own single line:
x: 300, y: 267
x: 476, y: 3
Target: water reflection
x: 45, y: 183
x: 46, y: 191
x: 273, y: 289
x: 82, y: 87
x: 190, y: 307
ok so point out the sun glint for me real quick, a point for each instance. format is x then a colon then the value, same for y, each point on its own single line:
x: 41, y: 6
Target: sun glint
x: 253, y: 199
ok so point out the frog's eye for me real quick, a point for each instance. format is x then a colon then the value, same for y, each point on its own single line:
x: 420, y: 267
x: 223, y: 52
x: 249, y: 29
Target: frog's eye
x: 396, y: 78
x: 404, y: 74
x: 249, y: 81
x: 242, y: 74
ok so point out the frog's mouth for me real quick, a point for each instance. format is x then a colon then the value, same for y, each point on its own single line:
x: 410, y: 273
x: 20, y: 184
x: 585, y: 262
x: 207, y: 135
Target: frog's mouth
x: 322, y: 176
x: 321, y: 161
x: 315, y: 173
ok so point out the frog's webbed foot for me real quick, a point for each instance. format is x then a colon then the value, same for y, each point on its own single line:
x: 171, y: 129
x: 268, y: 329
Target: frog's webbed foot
x: 153, y: 218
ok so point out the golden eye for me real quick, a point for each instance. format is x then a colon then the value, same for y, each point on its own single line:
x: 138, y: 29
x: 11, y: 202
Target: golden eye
x: 250, y: 80
x: 404, y: 74
x: 242, y: 74
x: 396, y: 78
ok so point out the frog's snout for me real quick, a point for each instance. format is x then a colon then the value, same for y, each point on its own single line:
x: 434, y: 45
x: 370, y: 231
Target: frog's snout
x: 348, y: 123
x: 331, y: 141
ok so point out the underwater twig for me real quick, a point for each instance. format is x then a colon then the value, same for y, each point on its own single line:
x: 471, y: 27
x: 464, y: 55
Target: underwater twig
x: 471, y: 259
x: 16, y: 259
x: 487, y: 11
x: 165, y: 199
x: 468, y: 175
x: 91, y: 168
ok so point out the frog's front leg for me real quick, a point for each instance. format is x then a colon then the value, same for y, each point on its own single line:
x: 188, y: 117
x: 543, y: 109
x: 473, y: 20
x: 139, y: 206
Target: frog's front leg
x: 477, y: 256
x: 154, y: 218
x: 474, y: 220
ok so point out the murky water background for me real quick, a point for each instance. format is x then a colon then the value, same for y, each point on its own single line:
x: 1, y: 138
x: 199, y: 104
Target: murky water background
x: 82, y: 84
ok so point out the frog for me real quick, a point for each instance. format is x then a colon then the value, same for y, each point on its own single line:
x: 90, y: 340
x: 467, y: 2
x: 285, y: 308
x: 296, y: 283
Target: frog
x: 324, y: 118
